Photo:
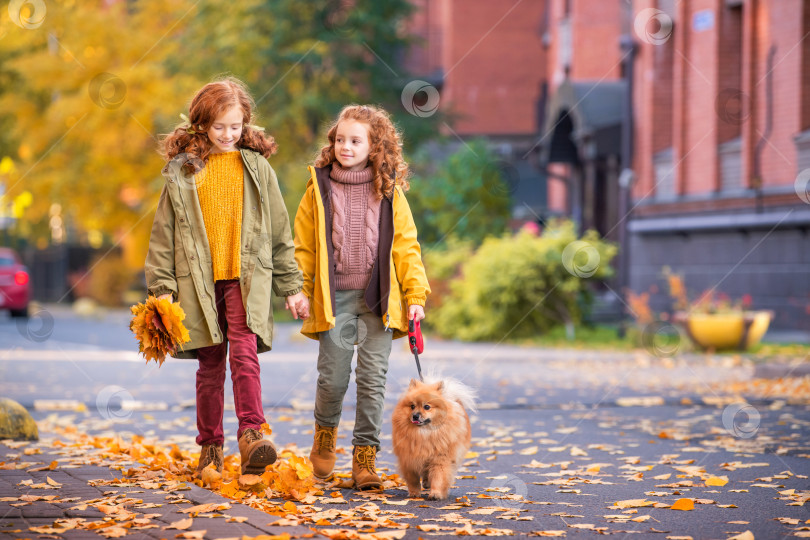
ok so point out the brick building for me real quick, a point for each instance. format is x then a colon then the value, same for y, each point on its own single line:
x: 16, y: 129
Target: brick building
x: 722, y: 112
x: 487, y: 59
x: 718, y: 96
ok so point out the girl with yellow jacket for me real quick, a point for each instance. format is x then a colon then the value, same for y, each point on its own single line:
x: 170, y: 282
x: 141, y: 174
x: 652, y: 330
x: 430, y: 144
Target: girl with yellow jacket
x: 355, y: 242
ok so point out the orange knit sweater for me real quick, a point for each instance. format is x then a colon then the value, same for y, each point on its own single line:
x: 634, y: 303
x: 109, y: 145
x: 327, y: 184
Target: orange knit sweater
x: 219, y: 187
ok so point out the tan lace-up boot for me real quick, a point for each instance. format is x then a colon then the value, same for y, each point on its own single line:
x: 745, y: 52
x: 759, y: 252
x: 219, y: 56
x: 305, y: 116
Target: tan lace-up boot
x: 256, y: 452
x: 323, y: 454
x: 210, y: 453
x: 364, y: 473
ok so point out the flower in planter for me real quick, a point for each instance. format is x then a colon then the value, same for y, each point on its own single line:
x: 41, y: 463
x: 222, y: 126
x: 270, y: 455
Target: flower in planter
x: 708, y: 302
x: 714, y: 320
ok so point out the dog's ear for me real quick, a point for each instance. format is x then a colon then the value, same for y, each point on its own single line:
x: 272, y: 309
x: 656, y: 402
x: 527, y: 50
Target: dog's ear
x: 413, y: 384
x: 440, y: 386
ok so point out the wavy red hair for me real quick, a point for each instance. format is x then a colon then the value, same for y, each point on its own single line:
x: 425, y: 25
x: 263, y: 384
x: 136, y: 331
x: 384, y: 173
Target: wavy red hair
x: 385, y: 152
x: 208, y: 103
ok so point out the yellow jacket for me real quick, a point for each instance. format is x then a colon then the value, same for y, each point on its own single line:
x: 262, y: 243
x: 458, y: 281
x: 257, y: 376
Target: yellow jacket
x: 398, y: 278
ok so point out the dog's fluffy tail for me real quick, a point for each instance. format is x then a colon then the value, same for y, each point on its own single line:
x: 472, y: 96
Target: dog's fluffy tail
x: 455, y: 390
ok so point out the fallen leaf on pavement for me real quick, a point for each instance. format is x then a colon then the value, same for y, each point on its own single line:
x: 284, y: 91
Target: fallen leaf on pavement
x: 747, y: 535
x: 192, y: 535
x: 717, y: 481
x: 633, y: 503
x: 683, y: 504
x: 181, y: 524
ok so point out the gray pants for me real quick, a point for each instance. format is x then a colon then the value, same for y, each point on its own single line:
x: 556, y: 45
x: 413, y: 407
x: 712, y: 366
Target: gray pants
x: 355, y: 324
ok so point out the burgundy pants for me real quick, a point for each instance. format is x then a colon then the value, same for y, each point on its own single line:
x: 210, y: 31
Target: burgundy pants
x: 247, y: 388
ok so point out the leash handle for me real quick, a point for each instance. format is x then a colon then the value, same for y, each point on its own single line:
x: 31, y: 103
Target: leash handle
x: 416, y: 343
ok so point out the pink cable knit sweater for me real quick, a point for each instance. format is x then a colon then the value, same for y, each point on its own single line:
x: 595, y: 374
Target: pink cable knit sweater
x: 355, y: 226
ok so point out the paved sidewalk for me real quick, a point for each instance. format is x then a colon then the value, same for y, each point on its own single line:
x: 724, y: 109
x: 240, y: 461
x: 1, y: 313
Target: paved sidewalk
x: 573, y: 443
x: 56, y: 500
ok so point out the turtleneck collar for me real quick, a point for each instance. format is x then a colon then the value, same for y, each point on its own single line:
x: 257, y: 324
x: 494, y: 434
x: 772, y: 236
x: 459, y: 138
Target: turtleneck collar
x: 345, y: 176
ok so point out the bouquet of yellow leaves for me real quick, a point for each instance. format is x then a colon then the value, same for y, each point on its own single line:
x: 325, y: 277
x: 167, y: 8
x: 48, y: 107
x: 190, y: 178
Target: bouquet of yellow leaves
x: 158, y: 327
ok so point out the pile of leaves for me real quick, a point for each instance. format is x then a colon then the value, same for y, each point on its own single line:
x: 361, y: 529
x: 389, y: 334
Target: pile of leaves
x: 158, y: 327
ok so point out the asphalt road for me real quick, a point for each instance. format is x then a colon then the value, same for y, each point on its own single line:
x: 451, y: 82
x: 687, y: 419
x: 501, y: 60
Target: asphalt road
x: 571, y: 432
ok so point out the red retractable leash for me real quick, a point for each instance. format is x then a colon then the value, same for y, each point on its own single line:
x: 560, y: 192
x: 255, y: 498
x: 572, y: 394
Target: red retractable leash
x: 416, y: 343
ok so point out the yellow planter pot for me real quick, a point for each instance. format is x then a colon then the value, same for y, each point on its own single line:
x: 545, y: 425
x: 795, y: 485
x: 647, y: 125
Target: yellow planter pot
x: 726, y: 330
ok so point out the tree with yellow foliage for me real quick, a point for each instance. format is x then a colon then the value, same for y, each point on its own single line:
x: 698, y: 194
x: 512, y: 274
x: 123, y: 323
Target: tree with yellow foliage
x: 86, y: 87
x: 89, y: 89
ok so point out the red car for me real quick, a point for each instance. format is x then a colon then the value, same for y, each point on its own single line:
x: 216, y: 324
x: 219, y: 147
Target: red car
x: 15, y: 284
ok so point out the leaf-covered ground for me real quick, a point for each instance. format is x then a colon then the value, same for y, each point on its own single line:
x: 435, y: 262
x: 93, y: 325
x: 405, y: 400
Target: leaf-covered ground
x: 639, y: 466
x: 566, y: 443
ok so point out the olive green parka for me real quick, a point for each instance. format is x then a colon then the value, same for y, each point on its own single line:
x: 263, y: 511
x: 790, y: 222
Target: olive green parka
x: 179, y: 258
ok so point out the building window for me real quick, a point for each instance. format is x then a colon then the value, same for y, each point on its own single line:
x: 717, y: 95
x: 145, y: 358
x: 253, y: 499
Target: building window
x: 731, y: 175
x: 664, y: 168
x: 731, y: 104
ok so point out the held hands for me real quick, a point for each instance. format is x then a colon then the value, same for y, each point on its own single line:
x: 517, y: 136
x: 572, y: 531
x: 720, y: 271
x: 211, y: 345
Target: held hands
x: 416, y: 312
x: 298, y: 305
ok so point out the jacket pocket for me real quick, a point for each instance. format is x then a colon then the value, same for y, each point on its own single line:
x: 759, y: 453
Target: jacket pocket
x: 266, y: 259
x: 181, y: 263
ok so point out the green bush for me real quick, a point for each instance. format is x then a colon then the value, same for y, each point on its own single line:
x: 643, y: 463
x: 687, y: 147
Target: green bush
x: 523, y: 285
x: 443, y: 266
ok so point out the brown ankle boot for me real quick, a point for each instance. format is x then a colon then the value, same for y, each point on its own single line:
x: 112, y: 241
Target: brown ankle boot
x: 323, y: 454
x: 363, y: 472
x: 210, y: 453
x: 256, y: 452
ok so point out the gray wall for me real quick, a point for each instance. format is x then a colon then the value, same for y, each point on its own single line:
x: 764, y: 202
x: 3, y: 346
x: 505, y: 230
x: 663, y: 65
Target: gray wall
x: 773, y: 267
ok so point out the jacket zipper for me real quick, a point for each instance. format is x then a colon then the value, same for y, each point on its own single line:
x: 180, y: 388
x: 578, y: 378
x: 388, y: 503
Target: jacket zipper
x: 200, y: 258
x: 391, y: 258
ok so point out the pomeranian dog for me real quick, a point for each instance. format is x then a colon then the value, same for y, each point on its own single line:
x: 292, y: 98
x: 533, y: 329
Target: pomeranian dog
x: 431, y: 434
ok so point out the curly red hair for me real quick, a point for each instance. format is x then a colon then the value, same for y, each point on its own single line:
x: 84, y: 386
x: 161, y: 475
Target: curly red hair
x: 385, y: 152
x: 208, y: 103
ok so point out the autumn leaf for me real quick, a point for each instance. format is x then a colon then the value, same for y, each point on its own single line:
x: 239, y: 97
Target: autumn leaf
x: 113, y: 532
x: 181, y: 524
x: 52, y: 482
x: 302, y: 467
x: 206, y: 507
x: 717, y: 481
x: 210, y: 476
x: 192, y: 535
x: 747, y: 535
x: 683, y: 504
x: 633, y: 503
